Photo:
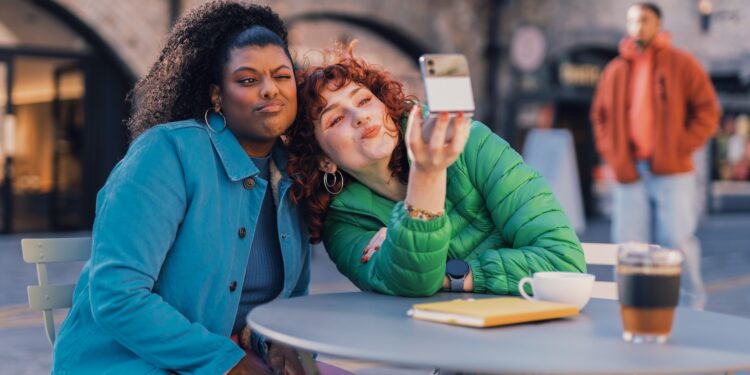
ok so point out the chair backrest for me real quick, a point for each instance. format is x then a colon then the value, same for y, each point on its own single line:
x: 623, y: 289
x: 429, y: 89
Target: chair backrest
x: 602, y: 254
x: 45, y: 297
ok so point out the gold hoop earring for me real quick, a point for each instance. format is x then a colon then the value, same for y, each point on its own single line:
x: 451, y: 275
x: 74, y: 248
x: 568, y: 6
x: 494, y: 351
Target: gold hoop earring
x: 329, y: 186
x: 208, y: 124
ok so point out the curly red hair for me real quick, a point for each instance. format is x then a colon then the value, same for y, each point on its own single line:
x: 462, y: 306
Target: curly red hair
x: 305, y: 153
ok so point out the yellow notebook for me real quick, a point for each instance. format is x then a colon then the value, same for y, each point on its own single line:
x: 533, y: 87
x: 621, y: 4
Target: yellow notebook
x: 490, y: 312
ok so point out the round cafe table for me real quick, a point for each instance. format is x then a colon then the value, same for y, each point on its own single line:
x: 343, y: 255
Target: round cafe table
x: 375, y: 327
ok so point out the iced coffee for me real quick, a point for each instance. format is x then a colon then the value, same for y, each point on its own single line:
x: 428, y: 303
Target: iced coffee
x: 648, y: 281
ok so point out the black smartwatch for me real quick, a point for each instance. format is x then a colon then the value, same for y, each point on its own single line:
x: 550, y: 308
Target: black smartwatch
x: 456, y: 270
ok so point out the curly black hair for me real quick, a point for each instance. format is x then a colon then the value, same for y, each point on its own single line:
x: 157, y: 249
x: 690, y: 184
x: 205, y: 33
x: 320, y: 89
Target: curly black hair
x: 177, y: 85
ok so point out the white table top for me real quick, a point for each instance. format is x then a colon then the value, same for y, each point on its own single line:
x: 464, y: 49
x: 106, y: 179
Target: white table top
x: 375, y: 327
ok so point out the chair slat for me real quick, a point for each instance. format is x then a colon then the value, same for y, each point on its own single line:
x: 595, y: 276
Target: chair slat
x: 600, y: 253
x: 604, y: 254
x: 50, y: 297
x: 54, y: 250
x: 604, y: 290
x: 49, y: 326
x: 44, y: 297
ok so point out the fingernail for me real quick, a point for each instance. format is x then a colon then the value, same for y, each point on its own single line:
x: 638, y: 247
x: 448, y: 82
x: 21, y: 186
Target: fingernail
x: 444, y: 115
x: 377, y: 247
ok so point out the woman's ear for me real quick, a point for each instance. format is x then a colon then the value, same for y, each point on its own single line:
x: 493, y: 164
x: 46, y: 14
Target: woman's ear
x: 215, y: 93
x: 327, y: 166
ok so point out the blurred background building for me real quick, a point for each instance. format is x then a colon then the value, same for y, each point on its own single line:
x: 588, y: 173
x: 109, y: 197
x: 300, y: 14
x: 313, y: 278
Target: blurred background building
x: 67, y: 65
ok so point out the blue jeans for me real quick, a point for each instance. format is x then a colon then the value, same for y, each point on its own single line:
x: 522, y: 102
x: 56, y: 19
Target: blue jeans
x: 662, y: 210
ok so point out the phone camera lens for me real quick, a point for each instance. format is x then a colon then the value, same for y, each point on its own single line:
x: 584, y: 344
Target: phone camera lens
x: 432, y: 71
x: 430, y: 62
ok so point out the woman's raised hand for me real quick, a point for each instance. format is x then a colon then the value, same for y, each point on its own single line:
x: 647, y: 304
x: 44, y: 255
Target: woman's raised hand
x: 438, y: 154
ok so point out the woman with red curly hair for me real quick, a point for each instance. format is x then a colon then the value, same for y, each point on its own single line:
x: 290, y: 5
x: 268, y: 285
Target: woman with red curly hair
x: 402, y: 216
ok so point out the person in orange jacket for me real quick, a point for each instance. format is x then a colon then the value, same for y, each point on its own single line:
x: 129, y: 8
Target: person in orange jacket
x: 653, y: 108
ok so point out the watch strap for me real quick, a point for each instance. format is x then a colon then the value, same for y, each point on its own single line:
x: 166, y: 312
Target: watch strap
x: 457, y: 285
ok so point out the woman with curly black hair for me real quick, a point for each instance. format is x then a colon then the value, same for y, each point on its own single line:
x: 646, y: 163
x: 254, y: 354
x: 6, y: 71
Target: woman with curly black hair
x: 195, y: 226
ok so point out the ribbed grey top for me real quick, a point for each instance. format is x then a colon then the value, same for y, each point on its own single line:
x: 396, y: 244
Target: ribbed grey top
x: 264, y: 277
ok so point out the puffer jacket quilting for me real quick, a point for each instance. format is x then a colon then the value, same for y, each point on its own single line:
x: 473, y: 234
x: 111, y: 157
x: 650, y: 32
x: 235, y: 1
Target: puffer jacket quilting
x: 501, y: 217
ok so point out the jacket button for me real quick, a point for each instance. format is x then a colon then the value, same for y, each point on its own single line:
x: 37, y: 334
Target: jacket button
x: 249, y: 183
x: 232, y: 286
x: 242, y: 232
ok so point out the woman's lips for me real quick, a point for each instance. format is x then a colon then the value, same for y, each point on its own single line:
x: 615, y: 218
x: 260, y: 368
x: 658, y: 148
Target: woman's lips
x: 270, y: 107
x: 370, y: 131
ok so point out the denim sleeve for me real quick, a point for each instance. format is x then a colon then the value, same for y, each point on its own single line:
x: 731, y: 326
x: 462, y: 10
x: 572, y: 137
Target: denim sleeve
x: 138, y: 215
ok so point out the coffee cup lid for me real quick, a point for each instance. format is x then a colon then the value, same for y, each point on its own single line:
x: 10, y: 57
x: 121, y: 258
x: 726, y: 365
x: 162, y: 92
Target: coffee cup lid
x: 636, y: 253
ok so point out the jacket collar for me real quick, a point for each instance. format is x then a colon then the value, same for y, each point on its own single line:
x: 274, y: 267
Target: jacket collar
x: 359, y: 199
x: 629, y: 49
x: 237, y: 163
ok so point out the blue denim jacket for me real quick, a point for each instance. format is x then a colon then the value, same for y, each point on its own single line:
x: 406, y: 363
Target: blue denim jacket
x: 163, y: 284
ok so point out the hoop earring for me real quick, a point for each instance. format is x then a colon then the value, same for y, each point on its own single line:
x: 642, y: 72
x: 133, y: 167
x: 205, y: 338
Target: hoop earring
x: 330, y: 185
x: 208, y: 124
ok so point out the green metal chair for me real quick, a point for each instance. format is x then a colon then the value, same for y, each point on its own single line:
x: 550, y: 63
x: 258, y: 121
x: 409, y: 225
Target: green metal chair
x: 45, y: 297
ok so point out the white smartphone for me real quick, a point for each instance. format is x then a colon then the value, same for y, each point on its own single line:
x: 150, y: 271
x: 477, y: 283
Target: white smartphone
x: 447, y: 88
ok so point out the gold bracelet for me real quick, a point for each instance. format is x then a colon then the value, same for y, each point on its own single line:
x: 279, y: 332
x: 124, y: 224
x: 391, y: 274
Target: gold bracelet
x: 418, y: 213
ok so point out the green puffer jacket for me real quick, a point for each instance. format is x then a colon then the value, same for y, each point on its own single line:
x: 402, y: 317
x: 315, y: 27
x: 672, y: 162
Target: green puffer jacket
x: 501, y: 218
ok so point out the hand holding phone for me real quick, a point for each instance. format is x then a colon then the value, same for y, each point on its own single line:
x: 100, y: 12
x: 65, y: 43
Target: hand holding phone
x: 447, y: 87
x: 436, y: 154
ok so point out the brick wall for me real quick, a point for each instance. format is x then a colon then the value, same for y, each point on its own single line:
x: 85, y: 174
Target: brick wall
x: 133, y: 28
x: 572, y: 22
x: 136, y: 29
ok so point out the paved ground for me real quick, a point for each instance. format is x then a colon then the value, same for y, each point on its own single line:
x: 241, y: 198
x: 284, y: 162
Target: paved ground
x: 24, y: 349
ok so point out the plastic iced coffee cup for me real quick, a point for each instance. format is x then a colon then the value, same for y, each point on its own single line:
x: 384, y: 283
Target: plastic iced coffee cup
x: 648, y: 283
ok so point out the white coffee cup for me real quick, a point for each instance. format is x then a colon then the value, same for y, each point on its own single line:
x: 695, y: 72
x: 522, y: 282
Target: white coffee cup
x: 571, y: 288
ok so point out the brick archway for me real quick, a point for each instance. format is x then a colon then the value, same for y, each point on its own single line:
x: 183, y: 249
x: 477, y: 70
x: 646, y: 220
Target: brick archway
x: 406, y: 44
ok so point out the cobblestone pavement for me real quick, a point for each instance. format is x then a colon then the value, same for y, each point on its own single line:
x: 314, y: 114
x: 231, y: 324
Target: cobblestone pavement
x: 24, y: 348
